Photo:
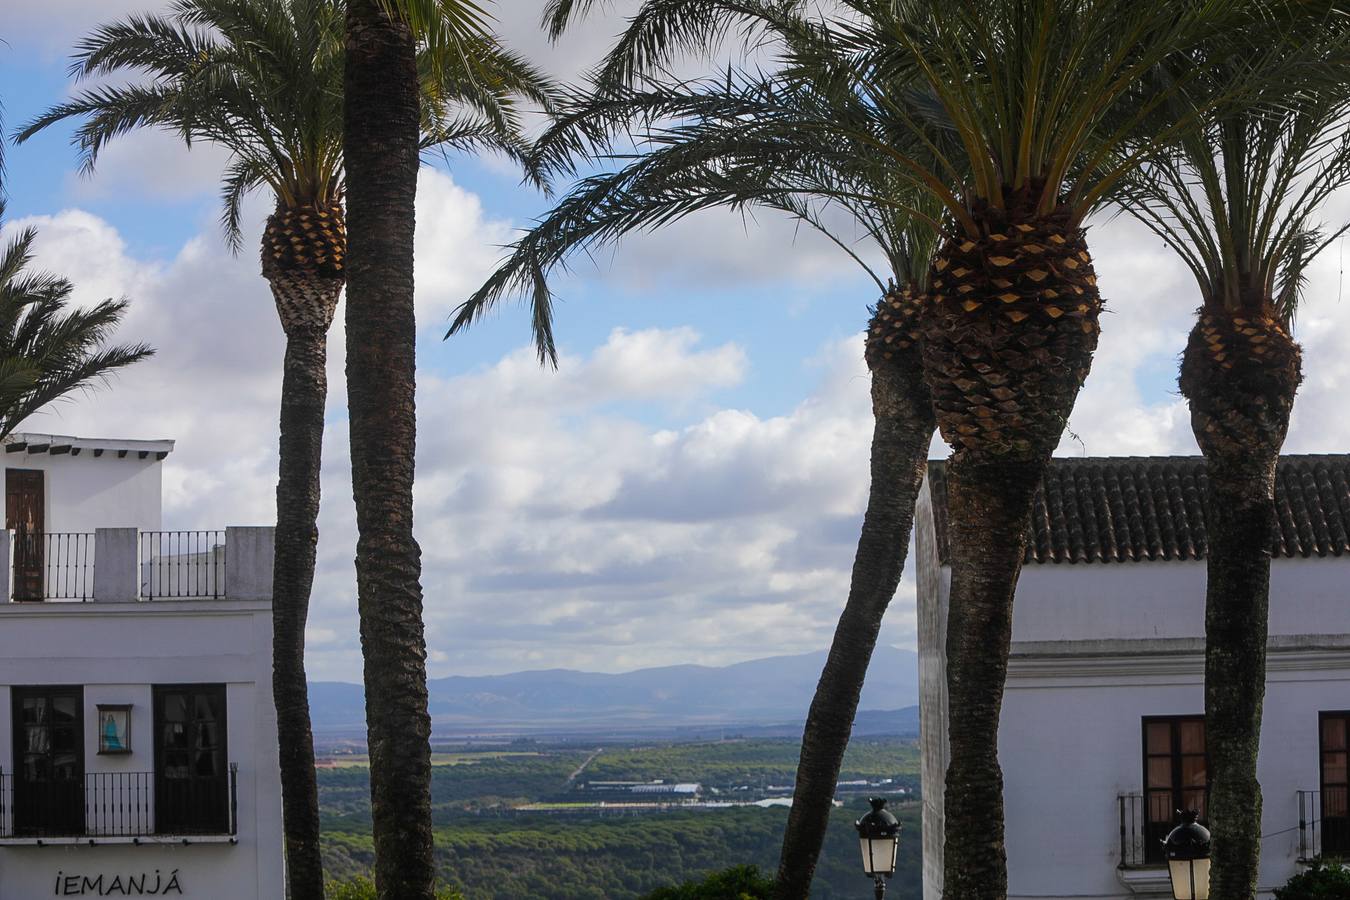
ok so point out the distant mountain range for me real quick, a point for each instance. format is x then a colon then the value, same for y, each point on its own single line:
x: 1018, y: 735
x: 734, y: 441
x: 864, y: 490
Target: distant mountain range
x: 761, y: 692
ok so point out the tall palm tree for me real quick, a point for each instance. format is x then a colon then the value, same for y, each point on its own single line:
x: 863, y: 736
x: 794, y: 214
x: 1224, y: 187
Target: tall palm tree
x: 1045, y: 99
x: 735, y: 146
x: 1238, y: 202
x: 48, y: 351
x: 264, y: 80
x: 384, y: 86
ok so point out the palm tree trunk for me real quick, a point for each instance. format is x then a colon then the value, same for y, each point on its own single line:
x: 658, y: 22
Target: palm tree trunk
x: 988, y: 506
x: 380, y: 146
x: 304, y: 389
x: 302, y: 250
x: 900, y: 440
x: 1241, y: 393
x: 1008, y: 340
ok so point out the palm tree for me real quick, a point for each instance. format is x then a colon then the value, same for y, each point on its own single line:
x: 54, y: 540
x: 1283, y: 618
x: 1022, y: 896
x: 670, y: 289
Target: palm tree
x: 264, y: 79
x: 1051, y: 104
x: 735, y: 146
x: 1237, y: 203
x: 383, y: 88
x: 46, y: 350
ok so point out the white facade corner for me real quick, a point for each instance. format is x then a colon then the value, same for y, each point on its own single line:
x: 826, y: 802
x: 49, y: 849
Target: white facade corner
x: 111, y: 629
x: 1099, y: 649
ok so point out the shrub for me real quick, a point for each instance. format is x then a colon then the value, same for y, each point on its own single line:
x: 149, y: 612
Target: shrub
x: 1321, y: 882
x: 737, y: 883
x: 362, y: 888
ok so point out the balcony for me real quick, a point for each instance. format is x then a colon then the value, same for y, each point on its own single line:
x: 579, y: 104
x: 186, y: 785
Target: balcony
x: 1137, y: 851
x: 120, y: 807
x: 1323, y: 825
x: 121, y: 565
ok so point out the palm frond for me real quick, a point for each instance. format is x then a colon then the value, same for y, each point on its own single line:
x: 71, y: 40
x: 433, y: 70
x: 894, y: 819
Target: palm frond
x: 48, y: 351
x: 1236, y: 199
x: 748, y: 142
x: 442, y: 23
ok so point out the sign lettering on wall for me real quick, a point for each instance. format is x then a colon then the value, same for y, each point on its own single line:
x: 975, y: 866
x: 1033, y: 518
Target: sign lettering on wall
x: 142, y: 884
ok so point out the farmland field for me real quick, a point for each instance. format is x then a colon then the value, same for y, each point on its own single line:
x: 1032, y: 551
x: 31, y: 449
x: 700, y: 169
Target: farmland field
x: 491, y: 849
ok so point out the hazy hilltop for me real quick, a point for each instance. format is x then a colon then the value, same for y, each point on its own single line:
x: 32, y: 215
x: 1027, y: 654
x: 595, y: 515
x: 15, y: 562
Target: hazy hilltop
x: 771, y: 690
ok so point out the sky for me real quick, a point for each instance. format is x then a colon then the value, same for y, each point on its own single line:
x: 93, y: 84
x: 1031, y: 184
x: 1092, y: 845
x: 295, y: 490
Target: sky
x: 687, y: 486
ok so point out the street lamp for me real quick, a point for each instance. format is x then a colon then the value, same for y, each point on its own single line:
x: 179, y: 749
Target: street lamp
x: 879, y: 836
x: 1188, y: 858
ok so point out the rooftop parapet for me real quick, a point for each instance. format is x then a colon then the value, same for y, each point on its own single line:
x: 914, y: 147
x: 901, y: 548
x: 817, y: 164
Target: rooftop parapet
x: 127, y: 565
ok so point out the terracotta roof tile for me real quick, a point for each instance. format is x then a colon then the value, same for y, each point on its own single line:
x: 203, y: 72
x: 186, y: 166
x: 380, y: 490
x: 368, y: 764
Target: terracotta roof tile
x: 1140, y: 508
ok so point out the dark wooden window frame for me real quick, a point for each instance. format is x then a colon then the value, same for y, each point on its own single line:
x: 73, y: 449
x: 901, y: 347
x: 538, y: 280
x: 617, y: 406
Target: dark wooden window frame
x: 27, y: 560
x: 37, y: 815
x: 1152, y: 853
x: 216, y: 820
x: 1335, y: 840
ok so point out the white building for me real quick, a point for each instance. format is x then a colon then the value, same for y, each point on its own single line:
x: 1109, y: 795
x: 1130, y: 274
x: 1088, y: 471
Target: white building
x: 137, y: 731
x: 1102, y: 732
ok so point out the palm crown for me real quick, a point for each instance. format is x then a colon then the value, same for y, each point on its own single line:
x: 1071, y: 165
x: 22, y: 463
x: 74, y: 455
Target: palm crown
x: 1237, y: 199
x: 263, y: 78
x: 1047, y: 98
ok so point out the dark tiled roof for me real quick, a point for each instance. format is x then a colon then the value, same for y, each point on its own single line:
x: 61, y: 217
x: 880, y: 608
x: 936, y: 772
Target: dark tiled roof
x: 1139, y: 508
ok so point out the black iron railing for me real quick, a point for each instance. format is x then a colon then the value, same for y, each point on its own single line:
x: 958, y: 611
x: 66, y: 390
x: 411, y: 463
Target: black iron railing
x: 1309, y: 825
x: 177, y: 564
x: 1323, y: 824
x: 119, y: 804
x: 1145, y: 824
x: 53, y: 565
x: 1133, y: 830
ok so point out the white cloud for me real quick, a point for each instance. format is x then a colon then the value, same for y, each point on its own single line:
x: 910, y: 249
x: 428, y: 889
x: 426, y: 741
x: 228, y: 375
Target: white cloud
x: 151, y: 164
x: 455, y: 246
x: 1150, y: 306
x: 560, y: 523
x: 538, y: 507
x: 53, y: 26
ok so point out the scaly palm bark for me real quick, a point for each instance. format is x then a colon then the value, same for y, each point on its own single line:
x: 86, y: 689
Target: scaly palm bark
x: 901, y: 435
x: 1240, y: 373
x: 1008, y: 337
x: 381, y: 146
x: 303, y: 254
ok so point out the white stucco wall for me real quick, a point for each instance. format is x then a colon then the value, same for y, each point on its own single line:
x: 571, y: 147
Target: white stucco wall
x: 85, y: 492
x: 1147, y: 600
x: 1070, y: 742
x: 1097, y: 647
x: 117, y: 651
x: 934, y: 589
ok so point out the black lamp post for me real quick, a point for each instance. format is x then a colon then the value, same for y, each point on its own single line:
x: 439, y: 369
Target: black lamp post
x: 879, y: 836
x: 1188, y: 858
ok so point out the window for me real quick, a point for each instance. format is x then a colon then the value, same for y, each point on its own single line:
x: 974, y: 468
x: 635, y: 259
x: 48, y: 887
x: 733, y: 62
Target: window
x: 191, y: 770
x: 49, y: 761
x: 24, y: 516
x: 1176, y: 776
x: 1335, y: 815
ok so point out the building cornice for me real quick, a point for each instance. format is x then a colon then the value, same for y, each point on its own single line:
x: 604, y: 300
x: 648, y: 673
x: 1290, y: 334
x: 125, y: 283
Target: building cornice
x: 1164, y: 659
x: 104, y: 609
x: 32, y: 442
